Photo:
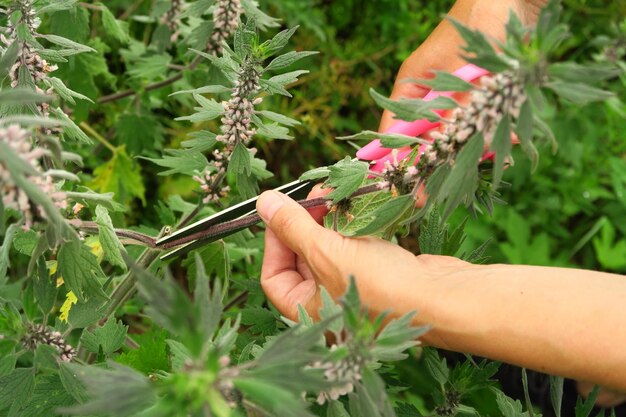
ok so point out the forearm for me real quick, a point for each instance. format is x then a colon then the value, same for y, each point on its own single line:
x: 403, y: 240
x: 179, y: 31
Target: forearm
x: 560, y: 321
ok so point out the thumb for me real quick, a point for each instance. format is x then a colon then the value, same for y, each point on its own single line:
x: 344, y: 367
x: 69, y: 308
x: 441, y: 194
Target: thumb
x: 293, y: 225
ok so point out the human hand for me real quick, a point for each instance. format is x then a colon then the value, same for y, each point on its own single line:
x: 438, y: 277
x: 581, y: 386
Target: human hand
x: 301, y: 255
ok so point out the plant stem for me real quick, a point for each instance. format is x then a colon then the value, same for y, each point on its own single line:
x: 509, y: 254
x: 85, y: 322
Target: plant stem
x: 87, y: 226
x: 90, y: 130
x: 226, y: 228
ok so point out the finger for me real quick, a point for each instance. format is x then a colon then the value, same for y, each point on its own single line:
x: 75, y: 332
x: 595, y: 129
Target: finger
x: 293, y: 225
x: 318, y: 213
x: 283, y: 285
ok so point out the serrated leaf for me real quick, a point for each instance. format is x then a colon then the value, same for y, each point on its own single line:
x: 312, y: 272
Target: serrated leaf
x: 114, y: 28
x: 272, y: 87
x: 387, y: 140
x: 444, y: 81
x: 9, y: 57
x: 84, y: 314
x: 151, y: 356
x: 62, y: 90
x: 150, y: 68
x: 501, y: 145
x: 208, y: 89
x: 240, y: 161
x: 111, y: 245
x: 142, y: 134
x: 437, y: 368
x: 110, y: 337
x: 479, y: 50
x: 524, y: 130
x: 68, y: 44
x: 462, y: 182
x: 413, y: 109
x: 179, y: 161
x: 287, y: 59
x: 277, y: 117
x: 359, y: 214
x: 556, y: 394
x: 121, y: 176
x: 288, y: 77
x: 279, y: 41
x: 262, y: 321
x: 16, y: 388
x: 387, y: 215
x: 4, y: 251
x: 315, y: 174
x: 80, y: 270
x: 131, y: 390
x: 579, y: 93
x: 509, y: 407
x: 345, y: 177
x: 574, y: 72
x: 271, y: 131
x: 70, y: 129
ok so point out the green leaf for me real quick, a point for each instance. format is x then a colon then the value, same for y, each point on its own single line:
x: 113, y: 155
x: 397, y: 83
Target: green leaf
x: 509, y: 407
x: 110, y: 337
x: 358, y: 215
x: 186, y: 162
x: 437, y: 368
x: 287, y: 59
x: 315, y: 174
x: 150, y: 68
x: 47, y: 397
x: 121, y: 176
x: 396, y: 337
x: 132, y: 392
x: 272, y: 87
x: 277, y: 400
x: 556, y: 394
x: 8, y: 59
x: 71, y: 383
x: 575, y: 72
x: 346, y: 176
x: 444, y: 81
x: 287, y: 78
x: 462, y: 182
x: 524, y: 130
x: 208, y: 89
x: 44, y: 288
x: 501, y: 145
x: 262, y: 321
x: 80, y: 270
x: 279, y: 41
x: 68, y: 44
x: 142, y: 134
x: 584, y: 408
x: 388, y: 140
x: 277, y: 117
x: 114, y: 28
x: 413, y: 109
x: 70, y: 129
x: 479, y: 50
x: 62, y: 90
x: 387, y: 215
x: 4, y: 251
x: 579, y: 93
x: 151, y: 356
x: 16, y: 389
x: 240, y: 160
x: 111, y: 245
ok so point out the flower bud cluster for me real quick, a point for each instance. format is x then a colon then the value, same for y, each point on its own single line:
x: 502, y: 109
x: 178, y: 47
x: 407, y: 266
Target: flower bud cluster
x: 225, y: 22
x: 343, y: 374
x: 37, y: 67
x: 211, y: 179
x: 12, y: 196
x: 398, y: 175
x: 171, y: 19
x: 40, y: 334
x: 225, y: 384
x: 237, y: 120
x: 497, y: 95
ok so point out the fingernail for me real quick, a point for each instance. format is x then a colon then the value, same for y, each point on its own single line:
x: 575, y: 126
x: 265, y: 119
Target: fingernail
x: 268, y: 204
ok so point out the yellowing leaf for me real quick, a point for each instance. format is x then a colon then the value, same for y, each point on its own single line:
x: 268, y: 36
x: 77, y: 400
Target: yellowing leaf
x: 122, y: 176
x: 70, y: 299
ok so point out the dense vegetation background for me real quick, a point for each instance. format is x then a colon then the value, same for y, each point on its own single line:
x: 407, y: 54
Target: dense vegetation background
x: 570, y: 212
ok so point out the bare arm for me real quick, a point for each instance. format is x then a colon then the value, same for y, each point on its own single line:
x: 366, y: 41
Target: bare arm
x: 560, y: 321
